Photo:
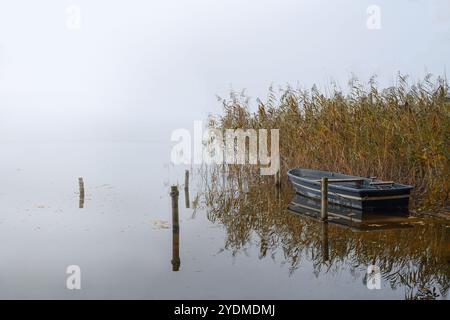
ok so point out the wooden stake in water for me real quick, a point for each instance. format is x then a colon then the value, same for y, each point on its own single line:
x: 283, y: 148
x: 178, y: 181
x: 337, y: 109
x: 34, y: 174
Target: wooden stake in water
x: 175, y: 230
x: 186, y: 189
x: 278, y: 179
x: 324, y: 194
x: 81, y: 186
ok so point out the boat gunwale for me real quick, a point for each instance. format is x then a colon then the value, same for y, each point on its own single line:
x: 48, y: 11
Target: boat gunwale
x: 398, y: 187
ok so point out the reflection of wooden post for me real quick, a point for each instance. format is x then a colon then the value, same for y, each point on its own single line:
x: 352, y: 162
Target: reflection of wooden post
x: 277, y: 194
x: 224, y: 161
x: 175, y: 230
x: 324, y: 193
x: 81, y: 186
x: 186, y: 179
x: 325, y: 249
x: 224, y: 181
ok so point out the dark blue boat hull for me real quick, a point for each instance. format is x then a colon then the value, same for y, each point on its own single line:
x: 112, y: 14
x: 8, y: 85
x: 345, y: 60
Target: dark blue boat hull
x: 363, y: 197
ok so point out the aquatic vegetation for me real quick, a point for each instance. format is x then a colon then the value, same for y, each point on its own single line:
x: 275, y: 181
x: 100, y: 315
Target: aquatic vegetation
x: 253, y: 212
x: 401, y: 133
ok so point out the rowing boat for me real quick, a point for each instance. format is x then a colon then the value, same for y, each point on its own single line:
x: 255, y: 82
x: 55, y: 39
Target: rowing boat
x: 368, y: 194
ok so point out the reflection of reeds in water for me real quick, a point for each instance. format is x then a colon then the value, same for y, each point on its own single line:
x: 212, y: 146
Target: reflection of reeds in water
x: 401, y: 133
x: 416, y: 259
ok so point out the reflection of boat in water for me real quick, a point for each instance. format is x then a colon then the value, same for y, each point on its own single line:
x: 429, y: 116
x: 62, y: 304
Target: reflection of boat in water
x: 354, y: 218
x: 365, y: 194
x: 411, y: 253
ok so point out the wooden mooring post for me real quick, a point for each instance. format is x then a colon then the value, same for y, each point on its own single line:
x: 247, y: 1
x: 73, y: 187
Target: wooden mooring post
x: 324, y: 194
x: 175, y: 230
x: 277, y: 178
x: 186, y: 189
x: 81, y: 187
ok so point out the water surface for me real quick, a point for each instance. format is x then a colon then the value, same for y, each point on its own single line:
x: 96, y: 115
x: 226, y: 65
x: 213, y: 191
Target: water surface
x: 236, y: 239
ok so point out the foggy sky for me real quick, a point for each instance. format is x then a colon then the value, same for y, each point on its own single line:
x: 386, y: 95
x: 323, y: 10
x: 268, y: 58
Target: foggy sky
x: 136, y: 70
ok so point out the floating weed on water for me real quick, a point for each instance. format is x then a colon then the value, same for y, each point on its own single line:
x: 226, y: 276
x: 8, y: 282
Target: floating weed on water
x: 160, y: 224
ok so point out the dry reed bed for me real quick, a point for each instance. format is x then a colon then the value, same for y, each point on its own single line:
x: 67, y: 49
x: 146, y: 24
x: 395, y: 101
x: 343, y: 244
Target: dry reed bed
x: 401, y: 133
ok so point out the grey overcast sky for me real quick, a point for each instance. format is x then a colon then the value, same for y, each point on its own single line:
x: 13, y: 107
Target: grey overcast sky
x: 135, y: 70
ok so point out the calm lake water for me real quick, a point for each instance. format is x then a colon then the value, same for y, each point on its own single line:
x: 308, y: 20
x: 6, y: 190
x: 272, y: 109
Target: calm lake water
x: 234, y: 243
